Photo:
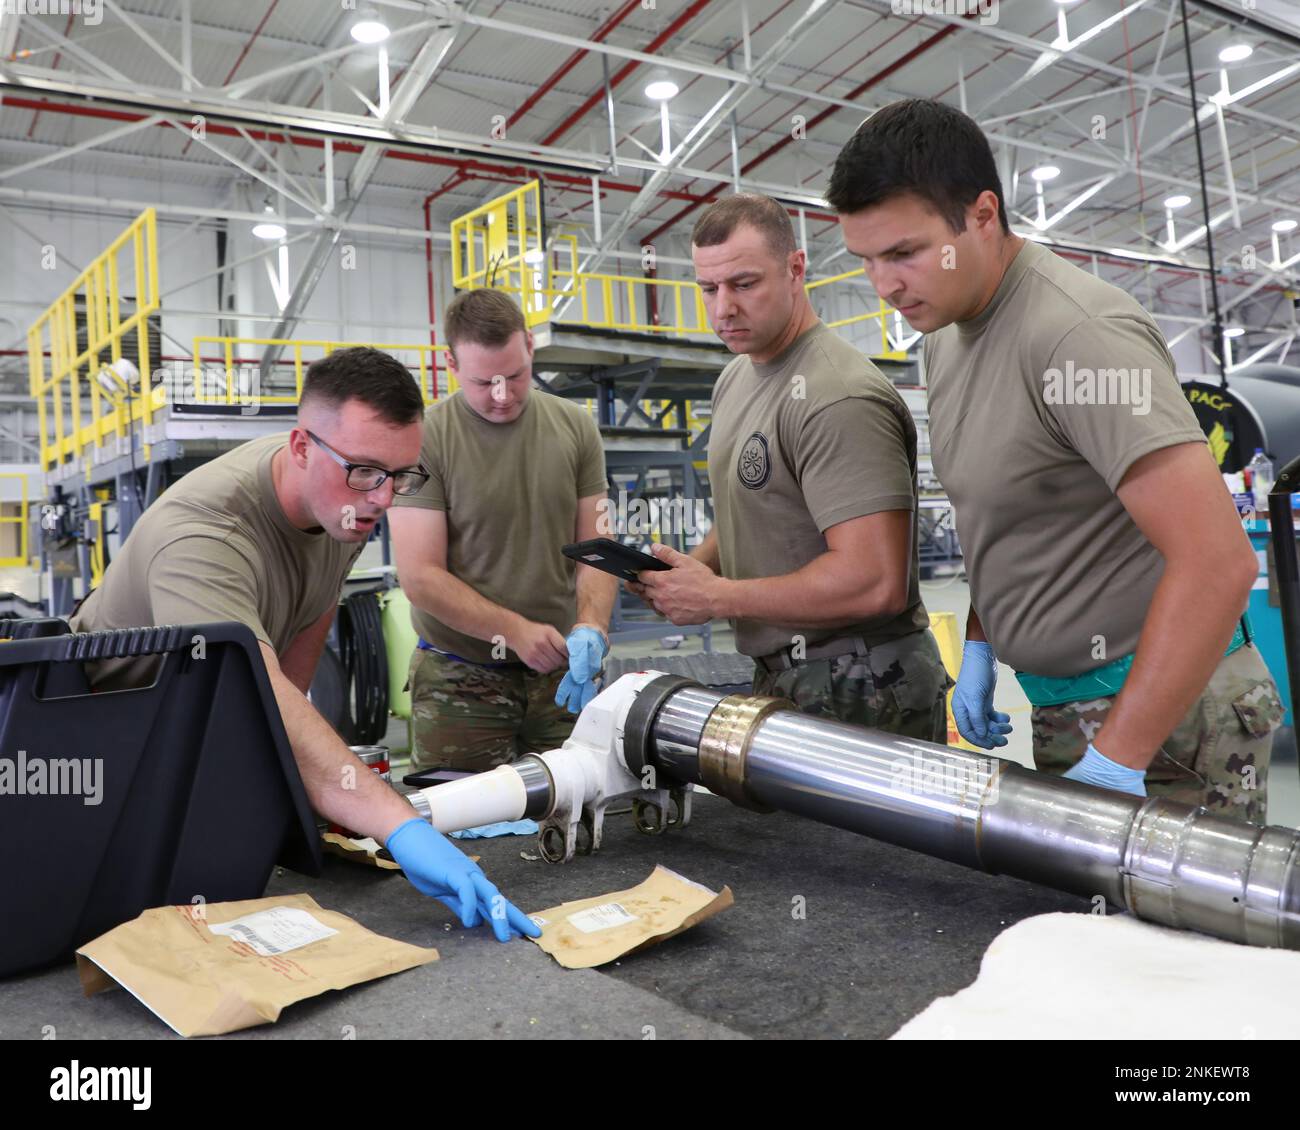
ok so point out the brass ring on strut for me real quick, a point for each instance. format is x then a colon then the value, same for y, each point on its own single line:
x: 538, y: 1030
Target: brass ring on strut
x: 725, y: 741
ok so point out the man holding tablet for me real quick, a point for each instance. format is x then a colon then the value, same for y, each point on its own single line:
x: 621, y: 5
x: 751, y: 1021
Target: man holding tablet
x: 812, y: 461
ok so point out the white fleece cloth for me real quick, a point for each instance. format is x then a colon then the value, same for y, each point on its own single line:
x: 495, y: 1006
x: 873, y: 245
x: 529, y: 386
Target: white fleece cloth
x: 1094, y: 977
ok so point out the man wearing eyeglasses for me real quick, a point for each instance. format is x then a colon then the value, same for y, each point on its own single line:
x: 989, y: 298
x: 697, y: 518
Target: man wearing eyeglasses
x: 265, y: 535
x: 511, y: 632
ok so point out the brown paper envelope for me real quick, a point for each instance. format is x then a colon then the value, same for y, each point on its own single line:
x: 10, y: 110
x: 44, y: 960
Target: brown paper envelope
x: 594, y: 931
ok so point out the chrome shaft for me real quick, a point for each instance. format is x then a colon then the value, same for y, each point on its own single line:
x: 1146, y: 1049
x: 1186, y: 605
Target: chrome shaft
x: 1163, y: 861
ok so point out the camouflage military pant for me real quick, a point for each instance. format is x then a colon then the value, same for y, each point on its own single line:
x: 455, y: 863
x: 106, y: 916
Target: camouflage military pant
x: 899, y: 687
x: 472, y: 717
x: 1217, y: 756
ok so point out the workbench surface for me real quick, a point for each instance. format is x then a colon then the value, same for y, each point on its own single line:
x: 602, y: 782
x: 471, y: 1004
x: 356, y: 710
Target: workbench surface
x: 886, y: 932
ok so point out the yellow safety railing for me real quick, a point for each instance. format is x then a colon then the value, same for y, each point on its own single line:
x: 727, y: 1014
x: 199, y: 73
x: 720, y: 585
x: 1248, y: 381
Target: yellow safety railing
x: 236, y: 377
x: 502, y: 244
x: 20, y: 520
x: 880, y: 314
x: 117, y: 291
x: 499, y: 245
x: 623, y: 303
x: 95, y: 514
x: 104, y: 314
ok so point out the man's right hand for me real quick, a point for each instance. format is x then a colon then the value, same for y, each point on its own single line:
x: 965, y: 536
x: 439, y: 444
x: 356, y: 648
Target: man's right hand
x: 438, y: 868
x: 588, y: 646
x: 540, y: 646
x: 706, y: 551
x: 972, y: 698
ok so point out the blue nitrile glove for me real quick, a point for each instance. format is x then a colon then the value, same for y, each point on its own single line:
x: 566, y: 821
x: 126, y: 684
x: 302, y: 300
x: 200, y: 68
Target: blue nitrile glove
x: 1095, y: 768
x: 972, y: 698
x: 587, y: 651
x: 500, y: 828
x: 436, y: 867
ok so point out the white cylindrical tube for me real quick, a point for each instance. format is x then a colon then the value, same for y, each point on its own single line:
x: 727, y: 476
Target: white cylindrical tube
x: 485, y: 798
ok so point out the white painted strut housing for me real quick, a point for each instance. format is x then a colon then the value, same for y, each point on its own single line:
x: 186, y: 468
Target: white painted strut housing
x: 587, y: 772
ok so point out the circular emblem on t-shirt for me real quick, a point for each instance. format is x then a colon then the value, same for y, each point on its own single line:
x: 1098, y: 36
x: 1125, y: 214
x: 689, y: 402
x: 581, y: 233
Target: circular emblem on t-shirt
x: 754, y: 467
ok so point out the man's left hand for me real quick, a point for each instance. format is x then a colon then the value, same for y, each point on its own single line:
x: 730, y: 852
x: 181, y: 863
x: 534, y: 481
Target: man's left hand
x: 687, y: 593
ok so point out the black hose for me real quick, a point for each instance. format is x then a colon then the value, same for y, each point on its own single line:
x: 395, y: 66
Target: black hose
x: 328, y: 691
x: 365, y: 665
x: 1205, y: 204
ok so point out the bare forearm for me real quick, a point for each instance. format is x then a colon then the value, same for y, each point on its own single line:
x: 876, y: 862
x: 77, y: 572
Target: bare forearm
x: 596, y: 593
x: 300, y: 673
x: 454, y: 603
x: 1191, y: 619
x: 299, y: 660
x: 827, y: 592
x: 974, y: 629
x: 340, y: 787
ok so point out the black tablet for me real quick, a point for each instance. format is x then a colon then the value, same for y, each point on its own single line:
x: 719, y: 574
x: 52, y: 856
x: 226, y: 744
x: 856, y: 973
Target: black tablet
x: 610, y: 556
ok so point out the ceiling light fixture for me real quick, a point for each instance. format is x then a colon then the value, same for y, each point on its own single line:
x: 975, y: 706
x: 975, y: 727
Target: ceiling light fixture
x: 369, y: 28
x: 269, y: 228
x: 661, y: 90
x: 1235, y: 52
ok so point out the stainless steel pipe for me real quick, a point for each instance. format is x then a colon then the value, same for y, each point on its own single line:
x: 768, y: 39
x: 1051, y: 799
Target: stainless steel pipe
x: 1165, y: 862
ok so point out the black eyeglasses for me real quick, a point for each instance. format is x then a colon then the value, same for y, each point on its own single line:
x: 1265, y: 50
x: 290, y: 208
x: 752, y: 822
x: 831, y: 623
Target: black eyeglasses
x: 365, y: 478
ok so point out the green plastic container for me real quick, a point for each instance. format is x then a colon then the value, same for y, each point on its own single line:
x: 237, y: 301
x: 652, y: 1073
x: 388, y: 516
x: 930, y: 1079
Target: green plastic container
x: 399, y: 641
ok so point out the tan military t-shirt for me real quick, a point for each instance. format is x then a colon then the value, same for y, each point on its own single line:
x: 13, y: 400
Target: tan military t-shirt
x: 812, y: 438
x: 511, y: 495
x: 1038, y: 407
x: 217, y: 546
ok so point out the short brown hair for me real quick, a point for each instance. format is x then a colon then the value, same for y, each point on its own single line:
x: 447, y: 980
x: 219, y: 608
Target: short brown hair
x: 482, y: 317
x: 723, y: 217
x: 375, y: 378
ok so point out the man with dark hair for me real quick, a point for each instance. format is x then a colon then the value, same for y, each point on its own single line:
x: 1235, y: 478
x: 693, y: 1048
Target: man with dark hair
x: 376, y: 379
x: 921, y: 147
x: 1107, y: 565
x: 265, y: 535
x: 514, y: 475
x: 812, y: 461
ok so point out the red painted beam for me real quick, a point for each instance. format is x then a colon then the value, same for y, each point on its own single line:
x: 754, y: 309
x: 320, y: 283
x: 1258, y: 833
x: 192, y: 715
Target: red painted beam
x: 682, y: 19
x: 468, y: 164
x: 572, y: 61
x: 816, y: 119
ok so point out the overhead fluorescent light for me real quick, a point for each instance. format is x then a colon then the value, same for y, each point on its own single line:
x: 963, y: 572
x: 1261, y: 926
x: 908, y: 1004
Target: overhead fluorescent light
x: 369, y: 28
x: 661, y: 90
